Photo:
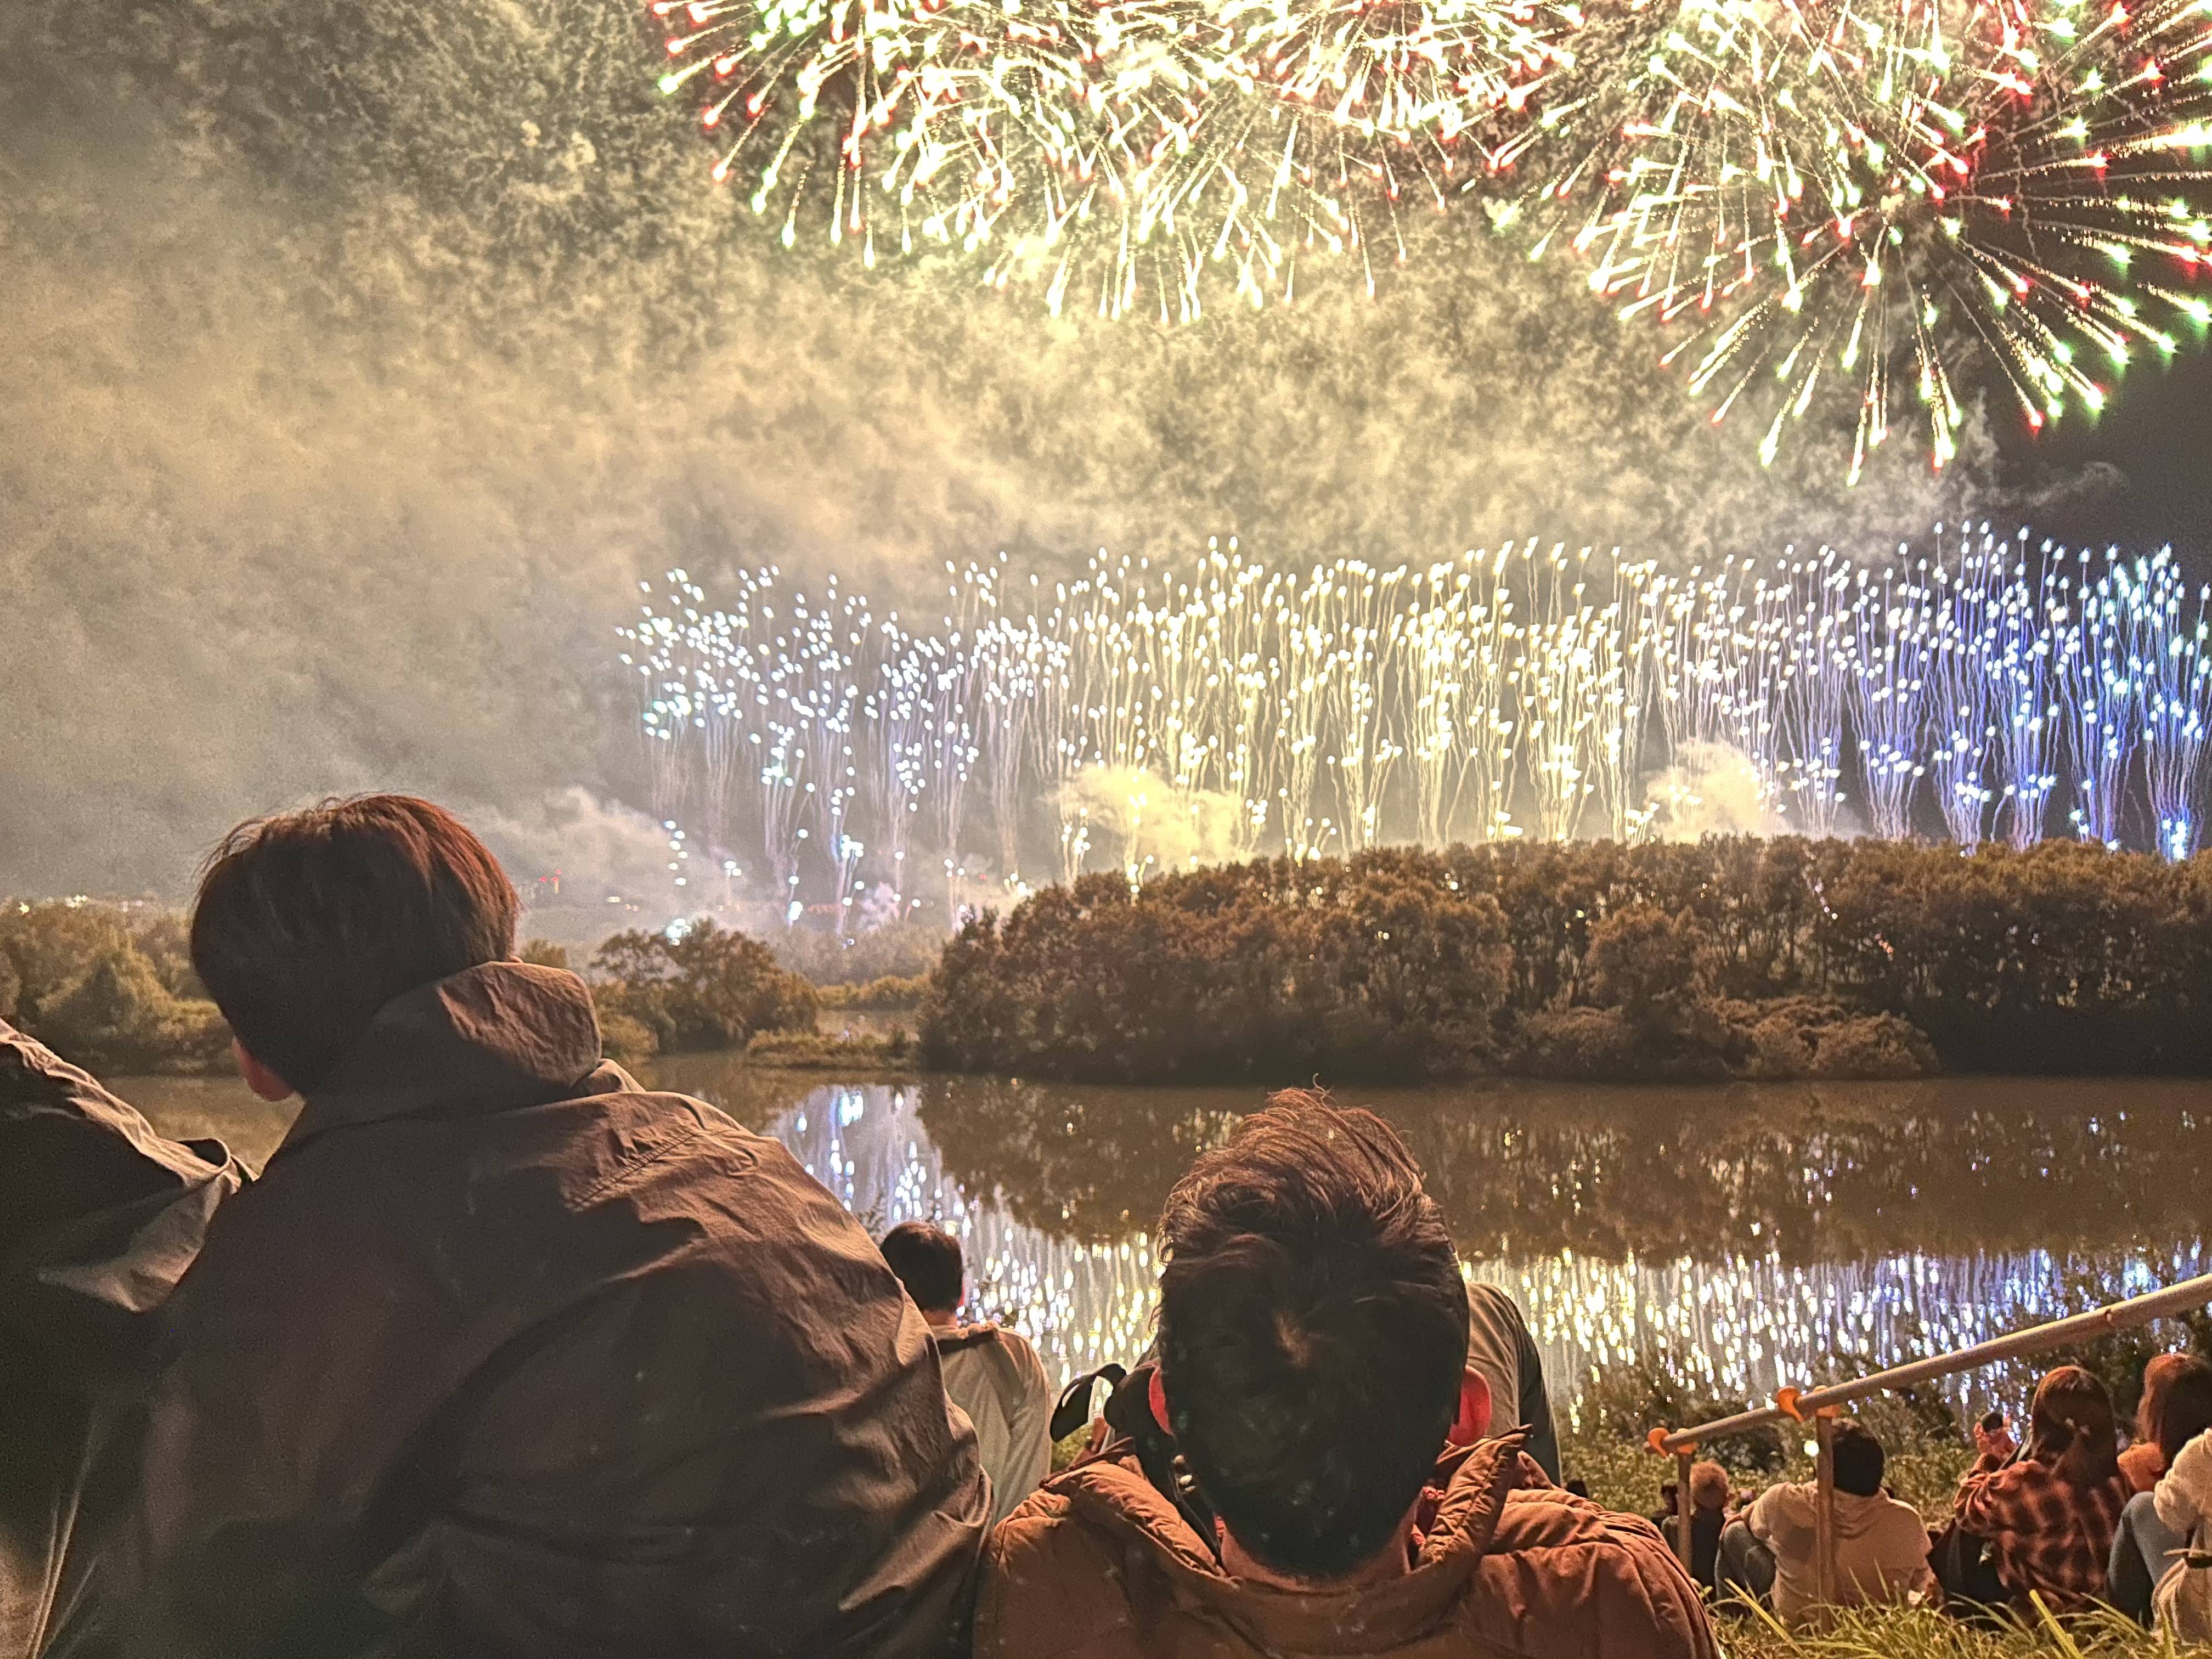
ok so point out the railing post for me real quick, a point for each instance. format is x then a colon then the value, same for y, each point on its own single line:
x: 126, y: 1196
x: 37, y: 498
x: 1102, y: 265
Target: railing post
x: 1824, y: 1508
x: 1682, y: 1551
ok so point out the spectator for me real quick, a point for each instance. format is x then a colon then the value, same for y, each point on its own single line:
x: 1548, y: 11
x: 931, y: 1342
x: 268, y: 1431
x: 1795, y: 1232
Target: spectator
x: 2184, y: 1503
x: 99, y: 1218
x: 1709, y: 1497
x: 1313, y: 1343
x: 2049, y: 1513
x: 1881, y: 1547
x: 2176, y: 1407
x: 1500, y: 1347
x: 992, y: 1375
x: 503, y: 1354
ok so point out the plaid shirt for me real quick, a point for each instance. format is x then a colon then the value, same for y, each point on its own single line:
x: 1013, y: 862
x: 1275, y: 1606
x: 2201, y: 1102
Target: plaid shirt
x: 2049, y: 1536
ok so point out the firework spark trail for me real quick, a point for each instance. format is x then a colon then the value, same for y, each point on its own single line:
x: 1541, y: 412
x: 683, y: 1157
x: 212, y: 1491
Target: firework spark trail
x: 1160, y: 716
x: 1842, y: 207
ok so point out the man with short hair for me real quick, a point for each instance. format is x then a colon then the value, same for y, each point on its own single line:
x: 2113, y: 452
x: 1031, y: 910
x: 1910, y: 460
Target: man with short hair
x: 992, y: 1374
x: 503, y: 1354
x: 1881, y: 1544
x: 1313, y: 1347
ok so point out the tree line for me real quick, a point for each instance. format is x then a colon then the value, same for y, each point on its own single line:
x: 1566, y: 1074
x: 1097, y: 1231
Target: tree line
x: 1732, y: 957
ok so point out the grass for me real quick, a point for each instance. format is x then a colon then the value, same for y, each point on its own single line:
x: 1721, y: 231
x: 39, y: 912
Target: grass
x: 1924, y: 1633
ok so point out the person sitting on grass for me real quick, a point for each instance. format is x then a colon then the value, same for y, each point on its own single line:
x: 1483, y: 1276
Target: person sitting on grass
x: 1313, y: 1348
x: 992, y: 1374
x: 1881, y: 1546
x: 1709, y: 1497
x: 2176, y: 1408
x: 503, y: 1354
x: 2049, y: 1512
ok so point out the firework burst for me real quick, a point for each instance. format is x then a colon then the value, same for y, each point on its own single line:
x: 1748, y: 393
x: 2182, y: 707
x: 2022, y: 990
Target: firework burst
x: 1866, y: 200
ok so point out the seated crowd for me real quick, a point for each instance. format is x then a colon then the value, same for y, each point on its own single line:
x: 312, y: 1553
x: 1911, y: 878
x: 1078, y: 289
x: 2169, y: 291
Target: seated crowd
x: 503, y: 1353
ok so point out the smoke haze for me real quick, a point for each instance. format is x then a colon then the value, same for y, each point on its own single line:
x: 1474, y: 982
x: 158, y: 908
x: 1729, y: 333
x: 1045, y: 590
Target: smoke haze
x: 362, y: 355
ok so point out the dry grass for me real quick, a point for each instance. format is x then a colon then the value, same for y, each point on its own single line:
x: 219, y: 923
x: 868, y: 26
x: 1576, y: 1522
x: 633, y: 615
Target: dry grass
x: 1923, y: 1633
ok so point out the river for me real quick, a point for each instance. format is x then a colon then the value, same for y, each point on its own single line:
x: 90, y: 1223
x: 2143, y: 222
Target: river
x: 1747, y: 1232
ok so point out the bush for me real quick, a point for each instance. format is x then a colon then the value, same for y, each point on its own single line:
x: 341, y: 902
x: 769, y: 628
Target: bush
x: 628, y: 1042
x: 1270, y: 971
x: 710, y: 989
x: 1735, y: 957
x: 544, y: 953
x: 109, y: 989
x: 811, y: 1051
x: 892, y: 990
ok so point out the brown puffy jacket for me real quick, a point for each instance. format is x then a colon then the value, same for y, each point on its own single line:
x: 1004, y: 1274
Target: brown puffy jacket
x: 1097, y: 1564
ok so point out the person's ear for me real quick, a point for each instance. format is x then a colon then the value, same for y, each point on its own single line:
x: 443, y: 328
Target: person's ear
x: 1472, y: 1423
x: 1156, y: 1401
x: 259, y: 1078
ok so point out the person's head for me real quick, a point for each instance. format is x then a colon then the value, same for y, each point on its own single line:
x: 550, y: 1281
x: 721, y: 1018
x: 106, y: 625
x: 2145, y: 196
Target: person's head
x: 2069, y: 1425
x: 927, y: 1262
x: 1313, y: 1330
x: 308, y: 922
x: 1858, y: 1460
x: 1709, y: 1486
x: 2177, y: 1403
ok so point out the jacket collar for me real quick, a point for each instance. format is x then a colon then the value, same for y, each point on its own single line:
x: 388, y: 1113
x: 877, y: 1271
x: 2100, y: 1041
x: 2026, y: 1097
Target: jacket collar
x: 1113, y: 1494
x: 491, y: 1038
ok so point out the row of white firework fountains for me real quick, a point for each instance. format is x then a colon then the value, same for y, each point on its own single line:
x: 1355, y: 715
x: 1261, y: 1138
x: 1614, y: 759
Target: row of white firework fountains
x: 1147, y: 716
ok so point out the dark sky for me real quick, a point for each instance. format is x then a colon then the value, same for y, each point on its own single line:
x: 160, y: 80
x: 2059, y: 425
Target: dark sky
x: 2156, y: 432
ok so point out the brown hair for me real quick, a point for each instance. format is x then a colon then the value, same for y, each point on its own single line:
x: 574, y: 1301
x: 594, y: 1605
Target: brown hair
x: 1709, y: 1486
x: 926, y: 1261
x: 308, y: 922
x: 2177, y: 1403
x: 2070, y: 1427
x: 1313, y: 1332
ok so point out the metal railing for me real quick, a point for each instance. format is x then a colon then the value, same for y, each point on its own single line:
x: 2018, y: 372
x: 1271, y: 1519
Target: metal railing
x: 1819, y: 1406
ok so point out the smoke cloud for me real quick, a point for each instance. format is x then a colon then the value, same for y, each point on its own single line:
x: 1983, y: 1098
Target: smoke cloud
x: 1711, y: 789
x: 358, y: 368
x: 1146, y: 822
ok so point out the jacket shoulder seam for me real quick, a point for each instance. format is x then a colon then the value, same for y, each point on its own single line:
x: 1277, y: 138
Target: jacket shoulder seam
x: 637, y: 1164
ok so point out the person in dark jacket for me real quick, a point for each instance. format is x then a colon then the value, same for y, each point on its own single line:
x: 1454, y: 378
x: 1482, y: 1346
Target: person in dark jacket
x: 504, y: 1354
x: 99, y: 1218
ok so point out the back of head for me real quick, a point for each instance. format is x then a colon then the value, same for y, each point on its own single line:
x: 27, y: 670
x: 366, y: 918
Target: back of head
x: 927, y: 1262
x: 2070, y: 1427
x: 308, y: 922
x: 1709, y: 1486
x: 2176, y: 1403
x: 1858, y: 1460
x: 1313, y: 1332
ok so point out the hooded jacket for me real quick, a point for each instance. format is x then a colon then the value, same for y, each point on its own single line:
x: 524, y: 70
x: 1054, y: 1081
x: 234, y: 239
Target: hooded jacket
x: 1881, y: 1547
x: 505, y: 1355
x: 99, y: 1218
x: 1097, y: 1564
x: 995, y: 1377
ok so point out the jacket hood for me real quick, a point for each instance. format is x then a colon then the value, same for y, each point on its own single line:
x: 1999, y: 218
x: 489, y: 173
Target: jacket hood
x: 950, y: 1338
x: 495, y: 1037
x: 1855, y: 1516
x: 1116, y: 1495
x: 99, y: 1216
